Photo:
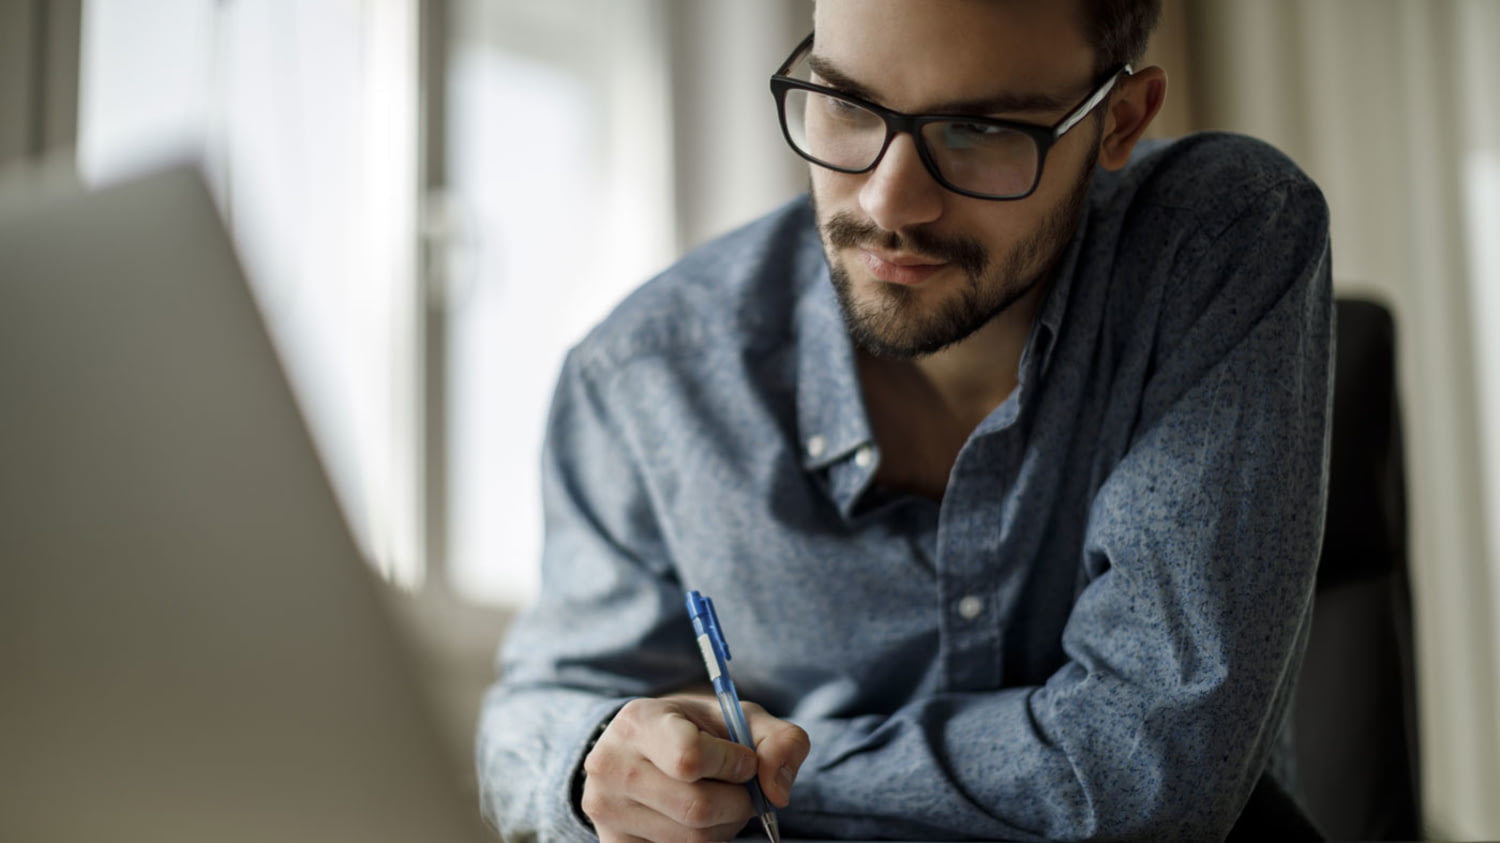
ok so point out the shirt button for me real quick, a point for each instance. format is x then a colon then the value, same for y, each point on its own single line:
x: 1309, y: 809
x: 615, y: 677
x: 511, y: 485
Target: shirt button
x: 864, y: 456
x: 971, y: 607
x: 816, y: 445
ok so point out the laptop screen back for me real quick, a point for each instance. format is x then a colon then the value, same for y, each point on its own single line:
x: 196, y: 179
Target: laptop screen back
x: 191, y: 647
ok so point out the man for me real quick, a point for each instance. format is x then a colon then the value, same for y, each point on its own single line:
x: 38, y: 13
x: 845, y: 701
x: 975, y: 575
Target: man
x: 1002, y: 458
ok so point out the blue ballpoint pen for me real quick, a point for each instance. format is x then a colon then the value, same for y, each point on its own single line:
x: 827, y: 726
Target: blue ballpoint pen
x: 716, y: 657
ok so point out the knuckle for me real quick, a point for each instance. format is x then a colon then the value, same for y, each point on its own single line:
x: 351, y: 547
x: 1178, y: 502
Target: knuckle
x: 597, y: 764
x: 594, y: 804
x: 609, y: 772
x: 630, y: 716
x: 686, y: 764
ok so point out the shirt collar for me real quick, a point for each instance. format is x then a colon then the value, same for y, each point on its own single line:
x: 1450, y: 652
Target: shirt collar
x: 831, y: 418
x: 832, y: 422
x: 1038, y: 353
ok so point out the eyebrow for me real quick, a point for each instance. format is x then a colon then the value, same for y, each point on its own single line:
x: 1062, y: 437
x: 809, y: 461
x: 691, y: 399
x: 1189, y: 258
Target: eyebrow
x: 1005, y: 103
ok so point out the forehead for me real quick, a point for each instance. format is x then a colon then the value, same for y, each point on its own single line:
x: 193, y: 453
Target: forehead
x: 913, y: 53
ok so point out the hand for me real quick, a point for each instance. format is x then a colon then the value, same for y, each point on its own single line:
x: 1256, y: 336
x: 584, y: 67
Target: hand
x: 666, y: 770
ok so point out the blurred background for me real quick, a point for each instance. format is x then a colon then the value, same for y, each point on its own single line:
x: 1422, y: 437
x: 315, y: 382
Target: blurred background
x: 434, y: 198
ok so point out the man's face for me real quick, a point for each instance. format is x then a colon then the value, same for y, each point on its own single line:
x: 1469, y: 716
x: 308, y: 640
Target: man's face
x: 918, y: 267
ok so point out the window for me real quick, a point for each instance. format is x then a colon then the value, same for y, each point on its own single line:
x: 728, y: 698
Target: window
x: 559, y: 161
x: 305, y: 115
x: 568, y: 175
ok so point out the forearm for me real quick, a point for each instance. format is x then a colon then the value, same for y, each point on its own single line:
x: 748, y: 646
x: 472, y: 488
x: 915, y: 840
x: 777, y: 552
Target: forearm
x: 1071, y: 760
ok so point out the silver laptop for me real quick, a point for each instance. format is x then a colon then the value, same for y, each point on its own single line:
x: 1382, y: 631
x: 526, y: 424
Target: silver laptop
x: 191, y: 647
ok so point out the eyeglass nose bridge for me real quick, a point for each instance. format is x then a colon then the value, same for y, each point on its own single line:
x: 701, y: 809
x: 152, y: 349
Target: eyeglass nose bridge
x: 897, y: 123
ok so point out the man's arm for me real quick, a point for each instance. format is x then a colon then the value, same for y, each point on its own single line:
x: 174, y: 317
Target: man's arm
x: 607, y: 636
x: 564, y: 669
x: 1202, y: 545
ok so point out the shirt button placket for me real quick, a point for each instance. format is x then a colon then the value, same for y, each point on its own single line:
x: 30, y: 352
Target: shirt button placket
x: 972, y: 564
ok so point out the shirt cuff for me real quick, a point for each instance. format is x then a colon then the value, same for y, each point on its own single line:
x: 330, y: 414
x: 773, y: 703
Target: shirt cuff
x: 580, y: 821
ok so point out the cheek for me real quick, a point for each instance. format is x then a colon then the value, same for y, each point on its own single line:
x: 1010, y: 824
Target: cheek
x: 835, y: 191
x: 998, y: 227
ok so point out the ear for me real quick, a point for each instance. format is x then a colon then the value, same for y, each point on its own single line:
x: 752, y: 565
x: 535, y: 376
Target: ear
x: 1135, y: 101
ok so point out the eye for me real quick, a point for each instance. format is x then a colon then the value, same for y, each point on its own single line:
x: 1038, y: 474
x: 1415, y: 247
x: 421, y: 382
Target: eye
x: 963, y: 135
x: 846, y: 114
x: 841, y: 108
x: 974, y: 129
x: 985, y: 138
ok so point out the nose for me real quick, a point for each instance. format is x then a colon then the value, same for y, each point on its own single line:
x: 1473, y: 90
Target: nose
x: 900, y: 192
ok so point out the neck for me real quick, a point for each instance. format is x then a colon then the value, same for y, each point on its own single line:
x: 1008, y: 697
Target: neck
x: 972, y: 377
x: 923, y: 411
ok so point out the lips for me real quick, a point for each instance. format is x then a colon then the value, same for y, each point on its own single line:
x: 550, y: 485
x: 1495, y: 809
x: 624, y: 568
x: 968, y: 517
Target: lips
x: 898, y: 268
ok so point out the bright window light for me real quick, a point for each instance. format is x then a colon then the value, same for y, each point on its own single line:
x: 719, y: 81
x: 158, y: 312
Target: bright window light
x: 306, y: 116
x: 559, y: 158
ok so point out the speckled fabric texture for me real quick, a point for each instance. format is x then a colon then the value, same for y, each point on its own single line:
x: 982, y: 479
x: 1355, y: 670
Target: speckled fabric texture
x: 1095, y: 635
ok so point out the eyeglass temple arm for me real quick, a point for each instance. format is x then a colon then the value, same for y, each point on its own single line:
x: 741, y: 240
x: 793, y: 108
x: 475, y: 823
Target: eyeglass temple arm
x: 1089, y: 104
x: 806, y: 44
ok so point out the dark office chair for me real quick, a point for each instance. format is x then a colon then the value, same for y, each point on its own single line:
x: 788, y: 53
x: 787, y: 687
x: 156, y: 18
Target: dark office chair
x: 1355, y: 710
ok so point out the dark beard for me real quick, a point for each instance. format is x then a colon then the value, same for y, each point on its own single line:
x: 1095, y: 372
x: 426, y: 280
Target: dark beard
x: 893, y: 327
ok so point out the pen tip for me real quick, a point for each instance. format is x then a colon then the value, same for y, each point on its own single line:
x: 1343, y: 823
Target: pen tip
x: 773, y: 830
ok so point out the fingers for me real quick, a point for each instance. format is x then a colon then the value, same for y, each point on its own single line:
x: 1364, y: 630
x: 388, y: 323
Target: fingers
x: 689, y: 743
x: 666, y: 770
x: 655, y: 774
x: 688, y: 812
x: 610, y: 836
x: 781, y: 748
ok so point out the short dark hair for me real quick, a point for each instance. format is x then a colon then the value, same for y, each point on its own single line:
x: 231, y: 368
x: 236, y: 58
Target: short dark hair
x: 1119, y: 30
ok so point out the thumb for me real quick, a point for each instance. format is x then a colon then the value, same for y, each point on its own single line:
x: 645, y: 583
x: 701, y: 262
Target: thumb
x: 781, y: 747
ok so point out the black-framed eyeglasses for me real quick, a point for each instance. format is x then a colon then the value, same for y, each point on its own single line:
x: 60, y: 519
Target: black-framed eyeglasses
x: 982, y: 157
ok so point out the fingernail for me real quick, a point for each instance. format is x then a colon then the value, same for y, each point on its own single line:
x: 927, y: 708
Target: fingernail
x: 745, y: 768
x: 784, y: 779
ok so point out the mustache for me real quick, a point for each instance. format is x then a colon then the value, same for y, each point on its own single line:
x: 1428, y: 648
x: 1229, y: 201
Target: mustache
x: 844, y: 230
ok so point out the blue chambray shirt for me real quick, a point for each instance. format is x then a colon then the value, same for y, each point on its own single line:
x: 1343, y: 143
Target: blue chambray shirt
x: 1095, y: 634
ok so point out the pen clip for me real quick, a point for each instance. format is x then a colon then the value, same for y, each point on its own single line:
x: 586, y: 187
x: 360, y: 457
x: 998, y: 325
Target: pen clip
x: 706, y: 622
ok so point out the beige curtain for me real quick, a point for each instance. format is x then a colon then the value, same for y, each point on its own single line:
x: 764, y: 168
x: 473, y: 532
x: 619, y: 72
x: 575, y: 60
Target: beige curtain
x: 1391, y: 106
x: 1170, y: 49
x: 730, y: 163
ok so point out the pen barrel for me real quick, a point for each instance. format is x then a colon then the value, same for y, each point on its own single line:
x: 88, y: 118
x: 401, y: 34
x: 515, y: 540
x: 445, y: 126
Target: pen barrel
x: 739, y: 730
x: 716, y: 659
x: 734, y: 718
x: 758, y: 799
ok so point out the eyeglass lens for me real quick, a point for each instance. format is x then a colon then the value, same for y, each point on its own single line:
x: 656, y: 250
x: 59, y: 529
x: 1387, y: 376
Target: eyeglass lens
x: 975, y: 157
